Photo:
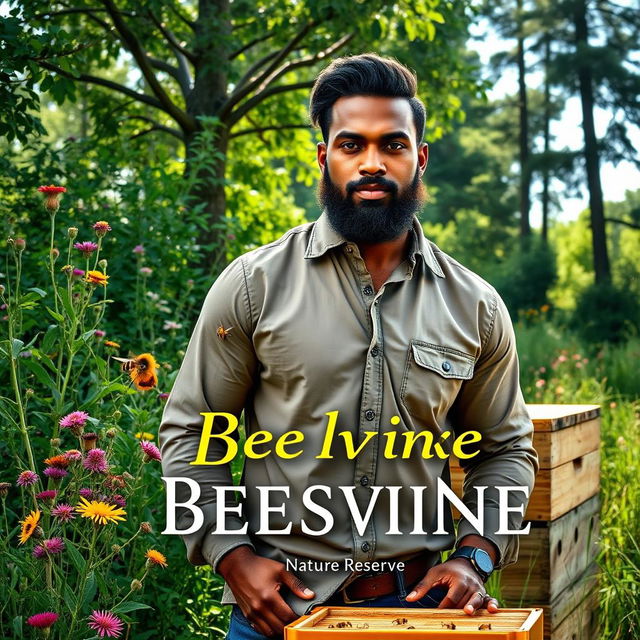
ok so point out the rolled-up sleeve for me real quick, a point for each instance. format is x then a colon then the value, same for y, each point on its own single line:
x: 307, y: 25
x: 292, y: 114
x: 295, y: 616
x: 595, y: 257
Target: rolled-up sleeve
x: 216, y: 375
x: 491, y: 402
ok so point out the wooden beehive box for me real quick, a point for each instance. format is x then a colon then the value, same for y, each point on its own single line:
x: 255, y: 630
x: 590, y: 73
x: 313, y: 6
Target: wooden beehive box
x: 567, y: 439
x: 366, y: 623
x: 431, y: 624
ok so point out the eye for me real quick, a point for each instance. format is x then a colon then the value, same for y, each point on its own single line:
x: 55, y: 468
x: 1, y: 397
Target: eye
x: 349, y: 145
x: 396, y: 146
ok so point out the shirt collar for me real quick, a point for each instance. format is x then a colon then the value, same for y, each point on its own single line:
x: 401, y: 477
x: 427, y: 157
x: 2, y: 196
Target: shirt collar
x: 324, y: 237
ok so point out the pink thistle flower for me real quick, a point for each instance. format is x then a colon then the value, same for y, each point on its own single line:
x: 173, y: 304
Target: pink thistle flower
x: 63, y: 512
x: 55, y: 472
x: 96, y: 461
x: 562, y: 358
x: 163, y: 396
x: 47, y: 494
x: 151, y: 452
x: 86, y: 493
x: 78, y: 273
x: 138, y: 249
x: 52, y: 546
x: 43, y: 620
x: 99, y: 333
x: 540, y: 383
x: 52, y: 195
x: 146, y: 271
x: 118, y: 500
x: 75, y: 421
x: 85, y: 248
x: 106, y: 623
x: 27, y: 478
x: 73, y: 455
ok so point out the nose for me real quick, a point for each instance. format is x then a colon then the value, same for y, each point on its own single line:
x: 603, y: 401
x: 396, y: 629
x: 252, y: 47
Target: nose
x: 372, y: 162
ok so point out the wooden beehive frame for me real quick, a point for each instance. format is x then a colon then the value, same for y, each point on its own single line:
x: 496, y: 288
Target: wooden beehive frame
x: 434, y: 624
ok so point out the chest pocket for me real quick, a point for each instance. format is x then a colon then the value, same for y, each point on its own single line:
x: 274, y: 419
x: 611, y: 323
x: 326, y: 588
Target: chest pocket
x: 432, y: 379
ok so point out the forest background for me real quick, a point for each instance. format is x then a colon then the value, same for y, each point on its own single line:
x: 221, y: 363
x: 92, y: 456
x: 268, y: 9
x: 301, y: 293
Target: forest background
x: 184, y: 126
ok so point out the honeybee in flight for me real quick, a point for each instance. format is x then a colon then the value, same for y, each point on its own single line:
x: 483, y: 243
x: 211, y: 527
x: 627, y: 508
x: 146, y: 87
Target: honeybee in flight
x: 141, y: 370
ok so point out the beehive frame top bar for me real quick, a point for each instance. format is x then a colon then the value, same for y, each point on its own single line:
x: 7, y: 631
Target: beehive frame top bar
x: 551, y: 417
x: 433, y: 624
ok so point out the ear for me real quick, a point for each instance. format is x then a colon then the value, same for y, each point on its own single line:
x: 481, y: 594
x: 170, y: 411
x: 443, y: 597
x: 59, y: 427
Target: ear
x: 423, y: 157
x: 321, y: 155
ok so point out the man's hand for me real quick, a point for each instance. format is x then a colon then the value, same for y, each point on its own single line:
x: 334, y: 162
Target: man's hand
x: 255, y: 582
x: 465, y: 587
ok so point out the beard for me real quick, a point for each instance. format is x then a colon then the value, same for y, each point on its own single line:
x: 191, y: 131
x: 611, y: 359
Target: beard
x: 370, y: 221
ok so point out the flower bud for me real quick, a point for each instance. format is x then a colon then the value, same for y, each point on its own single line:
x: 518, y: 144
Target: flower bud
x: 38, y: 532
x: 111, y: 433
x: 127, y: 476
x: 116, y: 548
x: 103, y: 265
x: 136, y: 585
x: 117, y: 415
x: 4, y: 489
x: 29, y: 391
x: 54, y: 253
x: 67, y: 270
x: 1, y: 289
x: 55, y: 442
x: 145, y: 527
x: 73, y: 232
x: 19, y: 244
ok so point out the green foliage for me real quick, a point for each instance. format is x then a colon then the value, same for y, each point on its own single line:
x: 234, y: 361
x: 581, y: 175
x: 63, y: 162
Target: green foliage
x: 605, y: 313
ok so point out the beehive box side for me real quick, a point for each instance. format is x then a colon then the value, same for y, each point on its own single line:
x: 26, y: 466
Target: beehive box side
x: 558, y: 447
x: 580, y: 624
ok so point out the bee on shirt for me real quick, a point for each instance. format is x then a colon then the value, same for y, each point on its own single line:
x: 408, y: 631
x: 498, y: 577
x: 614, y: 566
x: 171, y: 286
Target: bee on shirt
x: 141, y: 370
x: 223, y: 333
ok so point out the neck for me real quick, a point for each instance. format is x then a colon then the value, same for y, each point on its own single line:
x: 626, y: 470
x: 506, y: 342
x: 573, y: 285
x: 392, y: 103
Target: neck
x: 385, y: 254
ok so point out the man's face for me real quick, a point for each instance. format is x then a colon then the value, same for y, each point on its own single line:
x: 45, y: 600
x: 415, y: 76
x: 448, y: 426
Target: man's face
x: 371, y: 169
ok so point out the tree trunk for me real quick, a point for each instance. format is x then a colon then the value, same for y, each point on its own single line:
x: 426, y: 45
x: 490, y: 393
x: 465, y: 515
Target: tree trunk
x: 212, y: 31
x: 525, y: 172
x: 547, y: 138
x: 591, y: 155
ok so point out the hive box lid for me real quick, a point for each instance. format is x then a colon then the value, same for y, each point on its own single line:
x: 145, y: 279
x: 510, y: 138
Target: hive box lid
x: 551, y: 417
x: 369, y: 623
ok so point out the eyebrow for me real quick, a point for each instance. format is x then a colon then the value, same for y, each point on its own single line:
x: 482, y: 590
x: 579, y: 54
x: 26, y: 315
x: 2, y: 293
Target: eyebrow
x: 387, y: 136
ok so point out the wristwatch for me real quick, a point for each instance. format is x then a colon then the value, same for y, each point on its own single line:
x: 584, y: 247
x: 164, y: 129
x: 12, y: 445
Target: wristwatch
x: 479, y: 559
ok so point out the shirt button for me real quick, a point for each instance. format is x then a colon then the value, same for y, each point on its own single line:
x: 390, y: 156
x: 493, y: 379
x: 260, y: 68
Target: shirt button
x: 365, y: 546
x: 369, y: 414
x: 446, y: 366
x: 374, y: 352
x: 364, y: 481
x: 368, y: 290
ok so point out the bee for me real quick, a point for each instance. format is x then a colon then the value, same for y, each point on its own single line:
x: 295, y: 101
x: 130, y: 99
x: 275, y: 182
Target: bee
x: 223, y: 333
x: 399, y: 621
x: 343, y: 625
x: 448, y: 625
x: 485, y: 626
x: 141, y: 370
x: 364, y: 625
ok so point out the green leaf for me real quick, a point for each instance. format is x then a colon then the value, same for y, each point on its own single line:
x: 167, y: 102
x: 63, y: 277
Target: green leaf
x: 76, y: 558
x: 17, y: 626
x: 16, y: 347
x: 113, y: 387
x: 88, y: 335
x: 126, y: 607
x: 55, y: 315
x: 40, y: 292
x: 67, y: 304
x: 50, y: 337
x: 40, y: 373
x: 90, y: 588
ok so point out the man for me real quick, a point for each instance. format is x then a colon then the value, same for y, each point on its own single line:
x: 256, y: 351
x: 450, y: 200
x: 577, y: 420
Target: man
x: 358, y: 322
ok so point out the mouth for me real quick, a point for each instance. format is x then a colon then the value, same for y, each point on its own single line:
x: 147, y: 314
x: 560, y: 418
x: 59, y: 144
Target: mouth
x: 371, y: 191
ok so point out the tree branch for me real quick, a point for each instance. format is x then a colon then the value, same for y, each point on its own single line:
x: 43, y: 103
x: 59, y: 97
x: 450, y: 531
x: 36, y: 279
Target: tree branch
x: 242, y: 91
x: 244, y: 108
x: 250, y: 44
x: 305, y: 62
x: 156, y: 126
x: 114, y: 86
x: 185, y: 121
x: 633, y: 225
x: 175, y: 72
x: 244, y: 132
x: 70, y: 10
x: 190, y: 23
x: 170, y: 38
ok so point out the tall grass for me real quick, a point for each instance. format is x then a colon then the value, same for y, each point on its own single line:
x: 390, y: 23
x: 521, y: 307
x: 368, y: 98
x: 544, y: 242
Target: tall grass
x: 556, y: 368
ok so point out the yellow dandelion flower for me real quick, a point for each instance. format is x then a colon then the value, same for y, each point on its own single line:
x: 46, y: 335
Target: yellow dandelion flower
x: 29, y: 525
x: 112, y: 344
x: 144, y: 435
x: 100, y: 512
x: 156, y: 558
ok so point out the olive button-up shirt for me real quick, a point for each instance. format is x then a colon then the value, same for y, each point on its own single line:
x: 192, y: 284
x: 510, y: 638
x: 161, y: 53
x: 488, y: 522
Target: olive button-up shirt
x: 432, y: 350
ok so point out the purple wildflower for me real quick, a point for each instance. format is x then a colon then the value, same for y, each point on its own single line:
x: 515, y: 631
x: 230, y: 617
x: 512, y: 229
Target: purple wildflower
x: 96, y: 461
x: 27, y: 478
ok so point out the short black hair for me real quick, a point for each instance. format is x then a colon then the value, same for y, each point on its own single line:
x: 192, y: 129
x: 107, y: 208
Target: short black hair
x: 367, y: 74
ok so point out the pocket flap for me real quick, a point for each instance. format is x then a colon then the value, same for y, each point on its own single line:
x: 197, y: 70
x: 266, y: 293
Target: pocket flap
x: 449, y: 363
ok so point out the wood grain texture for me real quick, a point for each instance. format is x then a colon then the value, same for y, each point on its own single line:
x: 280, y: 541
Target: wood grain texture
x: 551, y: 417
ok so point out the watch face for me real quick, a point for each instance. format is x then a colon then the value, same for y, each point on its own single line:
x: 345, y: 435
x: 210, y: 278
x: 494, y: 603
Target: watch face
x: 483, y: 561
